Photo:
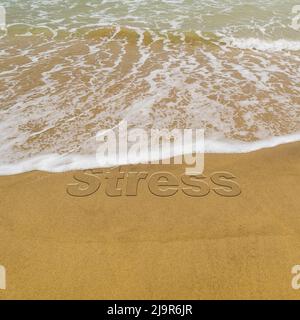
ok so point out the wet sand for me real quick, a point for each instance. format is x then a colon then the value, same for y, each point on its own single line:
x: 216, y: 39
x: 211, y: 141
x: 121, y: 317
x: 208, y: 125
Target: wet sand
x: 56, y: 246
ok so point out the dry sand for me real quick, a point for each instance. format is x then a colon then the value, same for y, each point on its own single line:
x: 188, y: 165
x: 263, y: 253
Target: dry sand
x: 146, y: 247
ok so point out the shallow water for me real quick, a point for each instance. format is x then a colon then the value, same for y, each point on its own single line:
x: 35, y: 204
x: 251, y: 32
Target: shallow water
x: 71, y: 68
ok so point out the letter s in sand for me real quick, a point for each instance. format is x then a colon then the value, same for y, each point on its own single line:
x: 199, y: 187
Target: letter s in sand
x: 88, y: 184
x: 224, y: 179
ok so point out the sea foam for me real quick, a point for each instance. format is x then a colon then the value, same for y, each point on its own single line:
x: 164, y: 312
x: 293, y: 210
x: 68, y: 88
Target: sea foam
x: 263, y: 45
x: 70, y: 162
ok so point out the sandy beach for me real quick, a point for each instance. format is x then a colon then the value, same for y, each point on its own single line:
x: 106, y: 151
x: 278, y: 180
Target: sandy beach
x: 56, y: 246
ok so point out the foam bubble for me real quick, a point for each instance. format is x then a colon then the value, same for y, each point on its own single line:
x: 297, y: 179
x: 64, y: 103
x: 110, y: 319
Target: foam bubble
x: 263, y: 45
x: 63, y: 163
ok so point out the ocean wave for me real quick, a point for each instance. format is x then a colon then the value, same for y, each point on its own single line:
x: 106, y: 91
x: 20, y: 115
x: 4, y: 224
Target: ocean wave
x: 70, y: 162
x: 131, y: 34
x: 134, y: 35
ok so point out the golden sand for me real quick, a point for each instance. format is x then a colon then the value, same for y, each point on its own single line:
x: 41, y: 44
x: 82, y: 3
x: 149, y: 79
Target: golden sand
x: 57, y: 246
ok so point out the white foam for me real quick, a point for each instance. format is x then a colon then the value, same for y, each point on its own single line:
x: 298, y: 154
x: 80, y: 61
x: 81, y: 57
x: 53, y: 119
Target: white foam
x: 213, y: 146
x: 63, y: 163
x: 263, y: 45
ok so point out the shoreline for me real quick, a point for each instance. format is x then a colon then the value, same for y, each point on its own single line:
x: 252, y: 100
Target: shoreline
x: 55, y: 246
x: 58, y: 160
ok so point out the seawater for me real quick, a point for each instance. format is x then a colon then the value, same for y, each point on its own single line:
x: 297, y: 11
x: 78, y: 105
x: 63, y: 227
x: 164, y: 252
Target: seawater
x: 71, y: 68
